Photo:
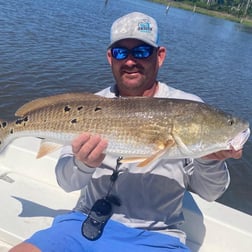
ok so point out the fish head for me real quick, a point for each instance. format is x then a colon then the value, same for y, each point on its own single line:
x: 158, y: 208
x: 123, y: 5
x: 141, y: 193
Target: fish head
x: 238, y: 132
x: 224, y: 131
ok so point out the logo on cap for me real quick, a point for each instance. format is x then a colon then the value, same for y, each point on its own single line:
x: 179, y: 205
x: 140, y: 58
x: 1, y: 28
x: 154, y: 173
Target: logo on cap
x: 144, y: 26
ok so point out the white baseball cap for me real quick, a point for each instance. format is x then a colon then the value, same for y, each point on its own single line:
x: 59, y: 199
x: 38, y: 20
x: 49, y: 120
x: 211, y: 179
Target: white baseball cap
x: 135, y: 25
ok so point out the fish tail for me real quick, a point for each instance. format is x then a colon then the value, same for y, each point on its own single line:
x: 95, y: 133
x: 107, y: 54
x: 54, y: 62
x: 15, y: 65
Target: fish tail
x: 5, y: 133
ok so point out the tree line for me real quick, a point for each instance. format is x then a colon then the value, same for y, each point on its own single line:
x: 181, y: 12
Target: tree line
x: 237, y: 8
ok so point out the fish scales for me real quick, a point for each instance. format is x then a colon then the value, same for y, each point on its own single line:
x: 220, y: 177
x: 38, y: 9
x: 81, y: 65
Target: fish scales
x: 137, y: 126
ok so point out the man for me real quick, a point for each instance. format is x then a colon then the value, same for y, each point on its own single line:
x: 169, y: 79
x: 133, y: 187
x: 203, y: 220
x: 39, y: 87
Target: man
x: 122, y: 207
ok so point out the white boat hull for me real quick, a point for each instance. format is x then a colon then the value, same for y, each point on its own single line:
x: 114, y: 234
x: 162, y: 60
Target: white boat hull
x: 31, y: 197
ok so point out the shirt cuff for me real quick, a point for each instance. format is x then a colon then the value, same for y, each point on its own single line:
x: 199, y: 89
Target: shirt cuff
x: 82, y: 167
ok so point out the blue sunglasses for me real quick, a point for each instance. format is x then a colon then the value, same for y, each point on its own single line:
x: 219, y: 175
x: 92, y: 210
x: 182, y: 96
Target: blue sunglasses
x: 138, y: 52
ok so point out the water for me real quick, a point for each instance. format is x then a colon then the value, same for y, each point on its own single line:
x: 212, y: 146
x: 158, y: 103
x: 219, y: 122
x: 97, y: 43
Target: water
x: 49, y: 47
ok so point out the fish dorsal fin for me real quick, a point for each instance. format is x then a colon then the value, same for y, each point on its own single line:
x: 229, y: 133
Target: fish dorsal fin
x: 54, y: 100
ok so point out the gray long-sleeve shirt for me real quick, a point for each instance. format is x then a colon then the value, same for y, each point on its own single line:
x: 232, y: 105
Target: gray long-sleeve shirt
x: 151, y: 197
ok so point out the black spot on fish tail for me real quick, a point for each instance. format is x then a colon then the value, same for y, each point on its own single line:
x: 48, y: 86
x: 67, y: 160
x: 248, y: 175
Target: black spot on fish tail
x: 22, y: 120
x: 4, y: 124
x: 67, y: 108
x: 19, y: 121
x: 97, y: 109
x: 74, y: 121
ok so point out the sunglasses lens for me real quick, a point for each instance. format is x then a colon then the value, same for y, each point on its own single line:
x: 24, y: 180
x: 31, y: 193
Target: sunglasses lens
x: 142, y: 52
x: 139, y: 52
x: 119, y: 53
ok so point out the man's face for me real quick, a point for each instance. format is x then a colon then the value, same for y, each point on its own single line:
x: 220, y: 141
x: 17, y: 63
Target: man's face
x: 135, y: 76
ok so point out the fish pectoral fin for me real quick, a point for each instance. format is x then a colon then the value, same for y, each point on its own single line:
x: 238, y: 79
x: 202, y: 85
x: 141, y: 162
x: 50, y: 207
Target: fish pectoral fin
x: 181, y: 146
x: 164, y: 147
x: 47, y: 147
x: 143, y: 161
x: 125, y: 160
x: 151, y: 159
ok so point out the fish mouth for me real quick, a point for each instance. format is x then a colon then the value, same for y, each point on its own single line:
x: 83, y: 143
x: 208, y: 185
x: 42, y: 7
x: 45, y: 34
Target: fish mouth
x: 239, y: 140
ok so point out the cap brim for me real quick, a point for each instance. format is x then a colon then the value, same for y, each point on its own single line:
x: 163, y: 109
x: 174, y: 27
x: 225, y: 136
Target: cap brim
x: 145, y: 41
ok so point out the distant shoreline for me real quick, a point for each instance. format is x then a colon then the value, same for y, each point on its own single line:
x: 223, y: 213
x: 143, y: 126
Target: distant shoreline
x: 223, y: 15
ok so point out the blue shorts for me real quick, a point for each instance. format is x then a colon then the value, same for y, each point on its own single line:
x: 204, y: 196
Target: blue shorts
x: 65, y: 236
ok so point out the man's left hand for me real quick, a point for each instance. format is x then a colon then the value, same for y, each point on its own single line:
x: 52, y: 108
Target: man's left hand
x: 225, y: 154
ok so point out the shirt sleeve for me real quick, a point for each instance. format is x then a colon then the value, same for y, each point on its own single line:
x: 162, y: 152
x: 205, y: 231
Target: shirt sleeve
x: 208, y: 178
x: 72, y: 174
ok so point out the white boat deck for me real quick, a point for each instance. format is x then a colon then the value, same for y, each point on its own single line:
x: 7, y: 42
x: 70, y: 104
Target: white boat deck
x: 30, y: 198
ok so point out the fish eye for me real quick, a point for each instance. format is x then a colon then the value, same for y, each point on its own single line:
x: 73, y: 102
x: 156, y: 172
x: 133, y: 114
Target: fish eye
x: 231, y: 122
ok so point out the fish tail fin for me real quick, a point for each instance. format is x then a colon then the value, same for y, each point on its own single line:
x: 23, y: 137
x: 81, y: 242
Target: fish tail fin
x: 5, y: 134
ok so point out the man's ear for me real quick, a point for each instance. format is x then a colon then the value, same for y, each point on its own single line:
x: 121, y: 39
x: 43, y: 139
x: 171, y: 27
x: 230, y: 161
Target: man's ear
x: 109, y: 57
x: 161, y: 55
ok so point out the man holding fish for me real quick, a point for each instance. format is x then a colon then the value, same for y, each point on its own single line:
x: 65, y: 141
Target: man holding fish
x: 123, y: 207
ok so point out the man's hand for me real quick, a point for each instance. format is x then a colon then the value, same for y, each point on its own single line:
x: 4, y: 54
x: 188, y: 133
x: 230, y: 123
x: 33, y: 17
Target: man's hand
x: 89, y: 149
x: 225, y: 154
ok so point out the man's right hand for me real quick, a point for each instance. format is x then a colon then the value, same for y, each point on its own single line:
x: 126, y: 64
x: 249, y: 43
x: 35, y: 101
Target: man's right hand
x: 89, y: 149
